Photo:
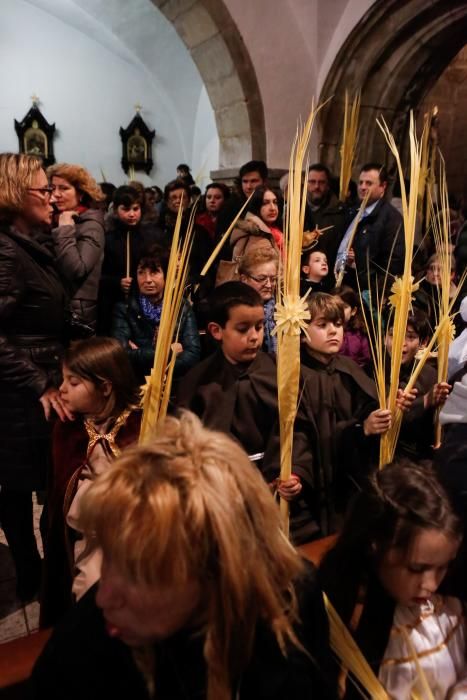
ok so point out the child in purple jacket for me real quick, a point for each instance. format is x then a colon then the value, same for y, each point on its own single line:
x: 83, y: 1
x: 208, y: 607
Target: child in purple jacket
x: 355, y: 345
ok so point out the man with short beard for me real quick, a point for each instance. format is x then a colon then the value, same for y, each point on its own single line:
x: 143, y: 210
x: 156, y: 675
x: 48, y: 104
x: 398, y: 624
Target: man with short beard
x: 324, y: 209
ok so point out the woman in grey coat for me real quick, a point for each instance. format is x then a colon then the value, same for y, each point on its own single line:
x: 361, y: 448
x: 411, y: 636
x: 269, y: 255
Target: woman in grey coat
x: 79, y: 241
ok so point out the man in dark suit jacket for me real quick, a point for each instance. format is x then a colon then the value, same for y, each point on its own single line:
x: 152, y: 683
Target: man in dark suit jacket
x: 379, y: 245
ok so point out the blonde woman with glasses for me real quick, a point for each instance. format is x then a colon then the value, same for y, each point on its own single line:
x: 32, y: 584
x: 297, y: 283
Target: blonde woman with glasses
x: 259, y: 270
x: 32, y: 319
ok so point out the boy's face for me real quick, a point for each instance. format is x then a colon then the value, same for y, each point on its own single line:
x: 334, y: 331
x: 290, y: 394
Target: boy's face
x: 324, y: 337
x: 251, y: 181
x: 129, y: 215
x: 433, y: 273
x: 242, y: 336
x: 411, y: 346
x: 317, y: 267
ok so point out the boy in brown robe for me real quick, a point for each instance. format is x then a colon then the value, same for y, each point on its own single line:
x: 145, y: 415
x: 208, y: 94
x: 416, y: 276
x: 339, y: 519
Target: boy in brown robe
x: 417, y: 433
x: 344, y: 406
x: 235, y: 391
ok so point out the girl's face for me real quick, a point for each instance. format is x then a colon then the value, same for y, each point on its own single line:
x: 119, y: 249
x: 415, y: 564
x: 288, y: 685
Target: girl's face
x: 82, y: 396
x: 269, y: 210
x: 348, y: 312
x: 131, y: 215
x: 263, y: 278
x: 214, y: 200
x: 64, y: 195
x: 411, y: 576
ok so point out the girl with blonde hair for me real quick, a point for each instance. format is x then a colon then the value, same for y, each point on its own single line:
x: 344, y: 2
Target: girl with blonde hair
x: 201, y: 595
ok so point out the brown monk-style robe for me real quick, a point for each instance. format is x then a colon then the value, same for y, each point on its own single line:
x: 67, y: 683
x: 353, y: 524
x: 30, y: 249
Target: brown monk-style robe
x: 340, y: 397
x: 417, y: 433
x: 241, y: 400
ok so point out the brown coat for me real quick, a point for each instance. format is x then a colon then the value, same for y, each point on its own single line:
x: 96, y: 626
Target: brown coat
x: 250, y: 234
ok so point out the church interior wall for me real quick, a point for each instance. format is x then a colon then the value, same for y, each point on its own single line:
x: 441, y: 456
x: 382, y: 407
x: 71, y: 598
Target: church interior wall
x: 82, y: 63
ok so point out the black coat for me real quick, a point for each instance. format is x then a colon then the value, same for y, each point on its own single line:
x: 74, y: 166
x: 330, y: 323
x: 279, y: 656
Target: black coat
x: 379, y: 242
x: 81, y: 662
x: 32, y: 326
x: 114, y: 266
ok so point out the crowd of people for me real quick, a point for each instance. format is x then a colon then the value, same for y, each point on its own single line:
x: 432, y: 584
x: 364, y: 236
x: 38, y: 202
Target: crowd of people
x: 165, y: 572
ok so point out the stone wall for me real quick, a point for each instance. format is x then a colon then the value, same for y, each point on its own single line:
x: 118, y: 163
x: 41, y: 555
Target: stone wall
x: 449, y: 94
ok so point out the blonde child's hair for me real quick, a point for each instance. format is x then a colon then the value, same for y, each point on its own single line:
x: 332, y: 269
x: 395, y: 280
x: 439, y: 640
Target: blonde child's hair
x: 188, y: 505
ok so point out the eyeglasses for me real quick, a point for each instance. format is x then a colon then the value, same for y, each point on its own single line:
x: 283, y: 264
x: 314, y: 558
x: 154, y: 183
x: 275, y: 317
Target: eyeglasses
x: 263, y: 279
x: 46, y: 191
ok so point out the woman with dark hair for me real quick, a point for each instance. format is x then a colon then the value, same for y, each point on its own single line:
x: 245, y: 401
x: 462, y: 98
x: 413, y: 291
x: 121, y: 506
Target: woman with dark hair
x: 260, y: 227
x: 79, y: 240
x: 267, y: 205
x: 32, y: 328
x: 215, y: 197
x: 135, y: 322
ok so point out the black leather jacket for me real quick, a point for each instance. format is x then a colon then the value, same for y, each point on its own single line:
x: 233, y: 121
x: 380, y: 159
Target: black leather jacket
x: 33, y: 307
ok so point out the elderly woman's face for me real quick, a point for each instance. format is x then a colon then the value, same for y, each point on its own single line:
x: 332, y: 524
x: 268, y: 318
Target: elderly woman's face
x: 140, y: 614
x: 263, y: 278
x: 64, y: 196
x: 174, y: 198
x: 37, y: 209
x: 151, y: 283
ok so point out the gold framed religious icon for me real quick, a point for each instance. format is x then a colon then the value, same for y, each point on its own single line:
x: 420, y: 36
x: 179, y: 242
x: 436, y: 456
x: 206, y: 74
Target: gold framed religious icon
x: 36, y: 135
x: 137, y: 144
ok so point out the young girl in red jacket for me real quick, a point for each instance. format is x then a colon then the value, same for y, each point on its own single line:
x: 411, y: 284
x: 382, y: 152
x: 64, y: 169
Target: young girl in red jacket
x: 100, y: 390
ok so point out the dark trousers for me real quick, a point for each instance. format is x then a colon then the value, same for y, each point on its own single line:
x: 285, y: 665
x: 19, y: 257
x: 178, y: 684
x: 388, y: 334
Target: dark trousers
x: 16, y: 520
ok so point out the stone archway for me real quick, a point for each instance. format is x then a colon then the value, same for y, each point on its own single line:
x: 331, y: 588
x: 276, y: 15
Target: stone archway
x: 394, y: 55
x: 217, y: 48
